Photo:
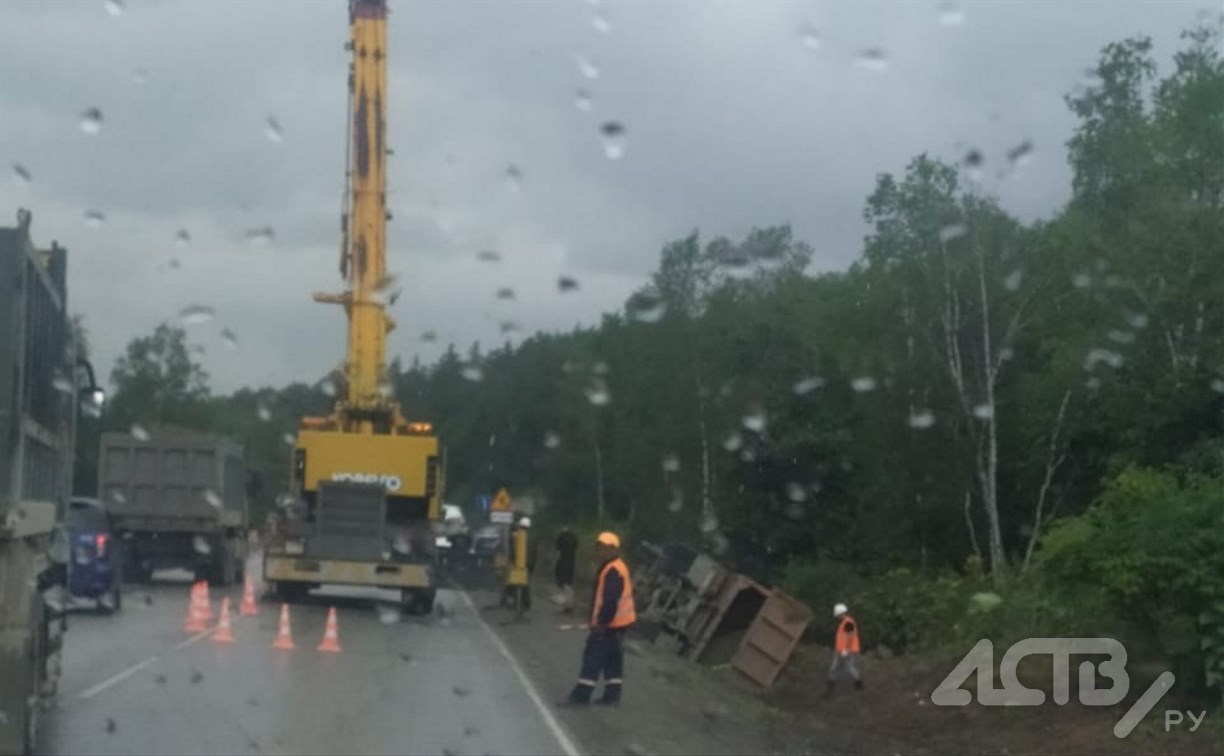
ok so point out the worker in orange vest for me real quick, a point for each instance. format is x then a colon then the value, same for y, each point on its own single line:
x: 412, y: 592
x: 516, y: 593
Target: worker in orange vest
x: 612, y: 613
x: 846, y: 649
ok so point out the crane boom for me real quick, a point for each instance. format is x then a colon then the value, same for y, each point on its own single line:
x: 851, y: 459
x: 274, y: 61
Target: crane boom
x: 364, y: 406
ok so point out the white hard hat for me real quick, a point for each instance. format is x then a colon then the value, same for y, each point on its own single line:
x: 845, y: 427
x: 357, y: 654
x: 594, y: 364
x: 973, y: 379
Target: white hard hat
x: 839, y: 610
x: 525, y: 522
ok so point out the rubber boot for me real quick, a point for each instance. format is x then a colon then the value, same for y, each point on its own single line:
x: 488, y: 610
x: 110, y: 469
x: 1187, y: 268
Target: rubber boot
x: 829, y: 686
x: 579, y: 696
x: 611, y: 695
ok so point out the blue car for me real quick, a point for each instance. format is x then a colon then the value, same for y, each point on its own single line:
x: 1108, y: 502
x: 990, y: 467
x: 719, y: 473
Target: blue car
x: 93, y: 566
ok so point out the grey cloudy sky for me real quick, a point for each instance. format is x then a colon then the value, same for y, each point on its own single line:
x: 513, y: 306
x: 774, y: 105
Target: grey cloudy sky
x: 735, y: 117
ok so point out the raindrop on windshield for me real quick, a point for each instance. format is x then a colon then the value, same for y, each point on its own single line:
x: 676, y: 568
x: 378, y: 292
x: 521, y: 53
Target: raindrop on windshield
x: 613, y: 139
x: 863, y: 384
x: 1139, y: 320
x: 950, y: 14
x: 118, y: 497
x: 472, y: 373
x: 21, y: 174
x: 429, y: 337
x: 754, y: 419
x: 91, y: 121
x: 974, y: 164
x: 983, y: 412
x: 505, y: 293
x: 566, y: 284
x: 514, y: 177
x: 587, y: 66
x: 807, y: 385
x: 182, y: 237
x: 196, y: 314
x: 259, y: 237
x: 582, y: 101
x: 796, y: 492
x: 810, y: 38
x: 597, y: 392
x: 600, y: 22
x: 200, y: 544
x: 273, y: 130
x: 389, y: 614
x: 733, y: 442
x: 873, y: 59
x: 289, y: 439
x: 1217, y: 385
x: 676, y: 503
x: 551, y: 440
x: 114, y: 7
x: 1081, y: 280
x: 95, y: 218
x: 1121, y: 337
x: 508, y: 326
x: 263, y: 412
x: 645, y: 308
x: 229, y: 339
x: 671, y: 463
x: 61, y: 383
x: 213, y: 499
x: 709, y: 522
x: 952, y: 231
x: 174, y: 263
x: 139, y: 433
x: 1013, y: 280
x: 328, y: 387
x: 748, y: 455
x: 488, y: 255
x: 1021, y: 154
x: 1006, y: 353
x: 1097, y: 355
x: 922, y: 419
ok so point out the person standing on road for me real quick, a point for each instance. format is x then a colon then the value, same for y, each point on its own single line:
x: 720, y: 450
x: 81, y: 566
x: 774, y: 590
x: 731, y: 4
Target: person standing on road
x: 533, y: 550
x: 612, y: 613
x: 567, y: 556
x: 845, y: 649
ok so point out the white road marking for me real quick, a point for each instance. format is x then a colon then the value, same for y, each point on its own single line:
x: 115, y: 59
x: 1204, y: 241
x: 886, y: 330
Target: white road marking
x: 198, y: 636
x: 115, y: 679
x: 558, y: 732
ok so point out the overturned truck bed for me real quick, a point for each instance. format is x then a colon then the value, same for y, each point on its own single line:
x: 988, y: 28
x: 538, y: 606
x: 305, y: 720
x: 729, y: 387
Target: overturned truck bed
x: 696, y: 606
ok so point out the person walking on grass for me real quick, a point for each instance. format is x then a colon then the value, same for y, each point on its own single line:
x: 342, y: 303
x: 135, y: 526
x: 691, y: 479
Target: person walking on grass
x: 612, y: 613
x: 846, y: 649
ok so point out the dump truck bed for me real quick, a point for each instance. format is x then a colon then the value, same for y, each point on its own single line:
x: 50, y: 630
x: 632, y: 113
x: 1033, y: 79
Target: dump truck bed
x: 177, y: 480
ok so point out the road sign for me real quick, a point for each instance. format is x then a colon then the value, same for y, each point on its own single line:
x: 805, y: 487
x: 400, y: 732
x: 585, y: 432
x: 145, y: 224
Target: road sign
x: 501, y: 518
x: 485, y: 502
x: 501, y: 502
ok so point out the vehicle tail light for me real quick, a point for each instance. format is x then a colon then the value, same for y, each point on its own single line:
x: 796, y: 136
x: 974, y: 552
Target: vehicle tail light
x: 100, y: 544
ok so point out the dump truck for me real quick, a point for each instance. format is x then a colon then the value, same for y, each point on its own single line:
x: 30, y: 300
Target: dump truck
x: 42, y: 382
x: 367, y: 482
x: 177, y: 499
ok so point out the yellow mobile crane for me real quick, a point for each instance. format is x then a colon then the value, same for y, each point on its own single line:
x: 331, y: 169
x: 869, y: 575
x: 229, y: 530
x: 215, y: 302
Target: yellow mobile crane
x: 367, y: 483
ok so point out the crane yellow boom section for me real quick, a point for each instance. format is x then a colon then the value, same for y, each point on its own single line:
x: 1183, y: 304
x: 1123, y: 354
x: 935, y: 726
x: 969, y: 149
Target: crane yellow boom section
x: 365, y: 404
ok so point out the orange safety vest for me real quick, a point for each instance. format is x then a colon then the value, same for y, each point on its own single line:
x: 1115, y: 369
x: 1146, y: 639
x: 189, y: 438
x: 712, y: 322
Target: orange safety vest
x: 847, y: 639
x: 625, y: 615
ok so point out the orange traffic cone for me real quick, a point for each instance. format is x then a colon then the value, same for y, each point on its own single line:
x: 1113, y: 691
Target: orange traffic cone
x: 249, y: 608
x: 331, y: 638
x: 284, y: 638
x: 223, y: 634
x: 205, y: 601
x: 195, y: 619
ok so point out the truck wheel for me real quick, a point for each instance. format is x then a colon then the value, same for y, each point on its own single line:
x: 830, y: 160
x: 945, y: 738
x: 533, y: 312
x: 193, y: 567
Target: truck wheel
x: 420, y: 601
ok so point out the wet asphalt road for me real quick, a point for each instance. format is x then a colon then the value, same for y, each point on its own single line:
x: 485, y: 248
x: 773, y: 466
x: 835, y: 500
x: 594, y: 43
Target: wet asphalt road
x: 136, y: 683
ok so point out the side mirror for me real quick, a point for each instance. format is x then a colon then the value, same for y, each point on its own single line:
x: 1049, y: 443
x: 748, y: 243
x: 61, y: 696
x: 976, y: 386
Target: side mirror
x: 90, y: 392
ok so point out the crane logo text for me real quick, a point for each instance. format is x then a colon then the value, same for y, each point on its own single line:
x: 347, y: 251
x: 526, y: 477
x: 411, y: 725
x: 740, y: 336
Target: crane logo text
x: 390, y: 482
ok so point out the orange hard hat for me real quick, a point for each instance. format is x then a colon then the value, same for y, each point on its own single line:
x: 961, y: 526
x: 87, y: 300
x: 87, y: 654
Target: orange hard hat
x: 608, y: 538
